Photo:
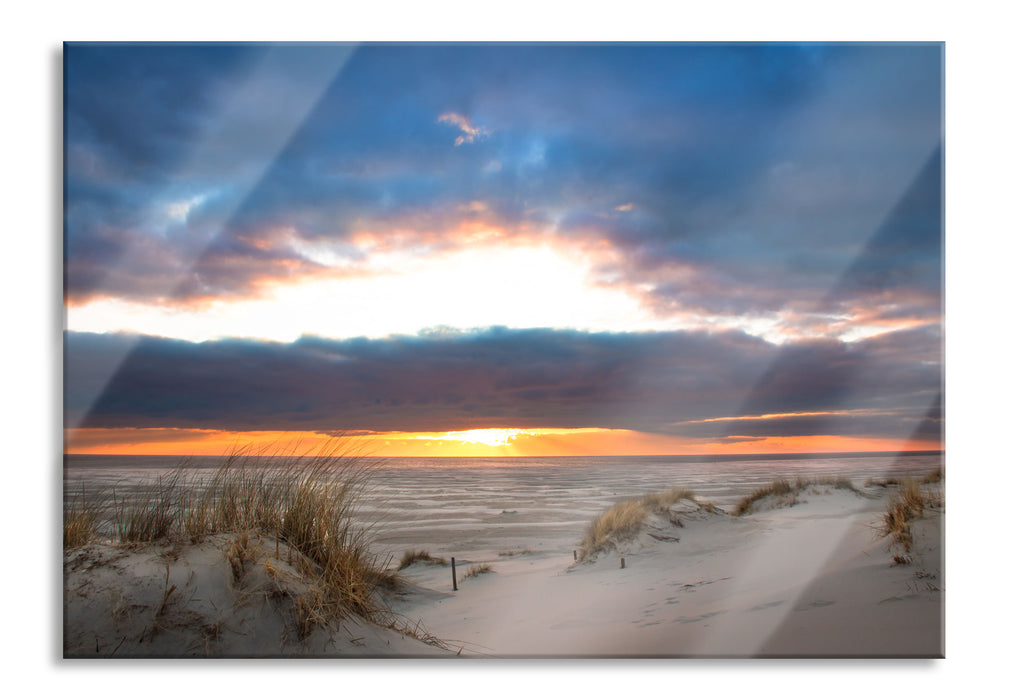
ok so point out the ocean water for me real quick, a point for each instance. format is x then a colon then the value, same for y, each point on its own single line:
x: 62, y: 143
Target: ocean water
x: 475, y: 509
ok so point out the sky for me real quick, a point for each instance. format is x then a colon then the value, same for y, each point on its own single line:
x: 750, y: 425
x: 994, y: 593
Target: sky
x: 503, y: 249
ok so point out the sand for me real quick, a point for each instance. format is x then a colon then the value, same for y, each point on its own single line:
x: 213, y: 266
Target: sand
x: 813, y: 579
x: 199, y: 600
x: 809, y: 579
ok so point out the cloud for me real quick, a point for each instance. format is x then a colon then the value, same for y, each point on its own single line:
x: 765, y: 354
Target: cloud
x: 759, y: 175
x: 448, y: 380
x: 469, y: 132
x: 166, y: 144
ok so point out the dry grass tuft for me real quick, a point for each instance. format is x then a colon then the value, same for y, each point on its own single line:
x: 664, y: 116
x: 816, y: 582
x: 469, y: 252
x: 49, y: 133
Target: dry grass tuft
x: 787, y: 492
x: 904, y: 507
x: 309, y: 503
x: 779, y: 487
x: 934, y: 477
x: 475, y: 570
x: 626, y: 518
x: 150, y: 514
x: 240, y: 555
x: 888, y: 481
x: 515, y: 552
x: 836, y: 482
x: 413, y: 556
x: 663, y: 500
x: 81, y: 516
x: 622, y: 521
x: 416, y: 629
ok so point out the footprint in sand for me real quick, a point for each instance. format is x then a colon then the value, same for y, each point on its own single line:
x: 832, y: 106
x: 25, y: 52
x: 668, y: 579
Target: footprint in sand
x: 898, y: 598
x: 698, y: 584
x: 699, y: 618
x: 765, y: 606
x: 816, y: 604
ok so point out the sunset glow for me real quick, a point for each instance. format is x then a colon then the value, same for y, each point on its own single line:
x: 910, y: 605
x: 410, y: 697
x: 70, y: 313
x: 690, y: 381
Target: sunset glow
x: 489, y: 437
x: 396, y: 292
x: 503, y: 250
x: 493, y: 443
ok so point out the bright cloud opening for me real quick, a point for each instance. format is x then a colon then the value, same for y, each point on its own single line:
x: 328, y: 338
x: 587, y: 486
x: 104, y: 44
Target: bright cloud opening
x: 493, y: 437
x: 531, y: 286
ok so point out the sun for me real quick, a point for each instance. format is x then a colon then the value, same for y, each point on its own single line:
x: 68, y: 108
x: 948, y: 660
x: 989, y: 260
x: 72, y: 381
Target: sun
x: 492, y: 437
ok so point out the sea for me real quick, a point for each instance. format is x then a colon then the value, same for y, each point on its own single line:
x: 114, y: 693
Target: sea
x: 478, y: 509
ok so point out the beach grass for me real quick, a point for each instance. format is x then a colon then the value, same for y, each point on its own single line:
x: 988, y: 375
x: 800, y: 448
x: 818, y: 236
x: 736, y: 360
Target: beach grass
x: 150, y: 514
x: 625, y: 519
x: 81, y: 517
x: 515, y: 552
x: 309, y: 504
x: 888, y: 481
x: 475, y: 570
x: 905, y: 506
x: 785, y: 493
x: 935, y: 476
x: 413, y: 556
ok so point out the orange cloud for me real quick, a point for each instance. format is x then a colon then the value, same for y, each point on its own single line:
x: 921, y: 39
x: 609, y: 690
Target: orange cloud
x: 500, y: 442
x: 469, y: 131
x: 797, y: 414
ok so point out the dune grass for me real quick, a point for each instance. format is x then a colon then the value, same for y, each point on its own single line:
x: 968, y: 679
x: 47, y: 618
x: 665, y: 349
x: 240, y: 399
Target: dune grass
x: 515, y: 552
x: 81, y: 516
x: 309, y: 503
x: 779, y: 487
x: 475, y: 570
x: 150, y: 514
x: 413, y: 556
x: 935, y: 476
x: 625, y: 519
x: 905, y: 506
x: 888, y: 481
x: 663, y: 500
x: 786, y: 493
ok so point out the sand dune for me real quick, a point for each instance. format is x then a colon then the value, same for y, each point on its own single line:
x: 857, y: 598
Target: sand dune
x: 808, y: 577
x: 174, y: 600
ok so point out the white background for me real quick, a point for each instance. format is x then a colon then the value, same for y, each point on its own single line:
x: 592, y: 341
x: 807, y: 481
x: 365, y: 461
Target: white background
x: 976, y: 229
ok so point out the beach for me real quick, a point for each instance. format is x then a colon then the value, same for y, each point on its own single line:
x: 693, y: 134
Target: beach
x: 813, y: 579
x: 810, y: 575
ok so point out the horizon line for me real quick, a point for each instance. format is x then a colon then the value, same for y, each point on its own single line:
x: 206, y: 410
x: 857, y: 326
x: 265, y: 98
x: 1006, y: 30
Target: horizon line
x: 725, y: 456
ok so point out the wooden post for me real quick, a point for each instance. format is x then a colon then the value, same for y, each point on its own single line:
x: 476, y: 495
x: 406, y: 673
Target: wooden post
x: 622, y: 563
x: 454, y: 586
x: 576, y: 554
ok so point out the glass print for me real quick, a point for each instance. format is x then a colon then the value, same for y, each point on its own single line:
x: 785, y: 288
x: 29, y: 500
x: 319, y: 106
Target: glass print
x: 503, y: 350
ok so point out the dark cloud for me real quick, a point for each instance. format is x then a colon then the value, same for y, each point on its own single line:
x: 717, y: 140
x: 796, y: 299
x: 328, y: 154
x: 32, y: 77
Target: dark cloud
x: 134, y: 111
x: 906, y: 250
x: 509, y: 378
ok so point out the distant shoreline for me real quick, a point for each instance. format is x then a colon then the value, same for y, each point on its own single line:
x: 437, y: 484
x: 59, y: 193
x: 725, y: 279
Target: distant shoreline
x: 672, y: 458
